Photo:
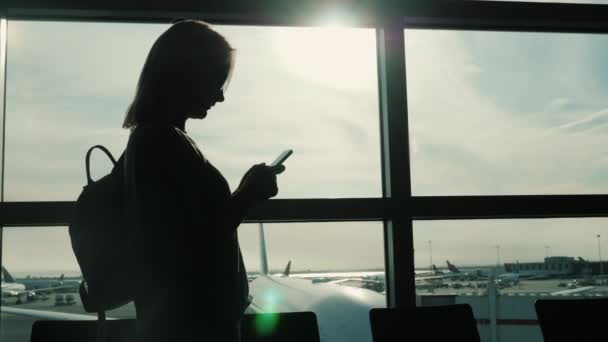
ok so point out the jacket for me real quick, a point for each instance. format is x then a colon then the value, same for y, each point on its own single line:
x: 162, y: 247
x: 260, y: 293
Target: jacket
x: 176, y: 201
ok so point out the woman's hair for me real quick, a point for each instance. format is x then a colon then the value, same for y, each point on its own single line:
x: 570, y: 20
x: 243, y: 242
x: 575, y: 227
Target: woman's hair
x: 186, y: 59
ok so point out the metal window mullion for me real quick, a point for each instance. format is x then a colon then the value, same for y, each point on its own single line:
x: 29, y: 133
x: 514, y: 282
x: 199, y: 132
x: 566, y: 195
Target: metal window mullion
x: 3, y: 45
x: 449, y: 14
x: 398, y: 234
x: 3, y: 54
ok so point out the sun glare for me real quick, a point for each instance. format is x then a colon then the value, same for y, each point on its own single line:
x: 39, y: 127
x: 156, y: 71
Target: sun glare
x: 332, y: 55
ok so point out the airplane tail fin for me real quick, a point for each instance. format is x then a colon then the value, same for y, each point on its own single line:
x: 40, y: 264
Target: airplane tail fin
x: 7, y: 276
x: 61, y: 278
x: 263, y: 255
x: 287, y: 269
x: 451, y: 267
x: 435, y: 269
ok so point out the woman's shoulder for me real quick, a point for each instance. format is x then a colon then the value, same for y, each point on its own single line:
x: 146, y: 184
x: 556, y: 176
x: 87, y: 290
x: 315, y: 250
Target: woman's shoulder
x: 152, y: 134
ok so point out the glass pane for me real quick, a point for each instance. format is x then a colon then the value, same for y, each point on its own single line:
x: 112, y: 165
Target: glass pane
x: 502, y: 113
x: 309, y: 89
x: 501, y: 267
x: 336, y: 271
x: 323, y: 278
x: 41, y: 274
x: 2, y: 69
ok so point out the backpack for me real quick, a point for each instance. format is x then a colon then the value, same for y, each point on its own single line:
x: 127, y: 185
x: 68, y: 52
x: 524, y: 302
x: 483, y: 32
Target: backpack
x: 102, y: 241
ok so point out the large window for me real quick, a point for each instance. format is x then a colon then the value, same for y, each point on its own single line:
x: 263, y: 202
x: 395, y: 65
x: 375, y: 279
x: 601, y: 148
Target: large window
x: 42, y: 258
x: 310, y: 89
x: 475, y: 142
x: 504, y: 113
x: 313, y: 90
x: 501, y: 267
x: 41, y: 274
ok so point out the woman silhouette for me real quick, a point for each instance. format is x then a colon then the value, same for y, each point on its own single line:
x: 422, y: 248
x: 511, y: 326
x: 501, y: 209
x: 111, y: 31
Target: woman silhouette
x: 191, y: 283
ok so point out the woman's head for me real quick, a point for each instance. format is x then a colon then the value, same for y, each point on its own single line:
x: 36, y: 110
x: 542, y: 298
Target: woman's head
x: 185, y: 73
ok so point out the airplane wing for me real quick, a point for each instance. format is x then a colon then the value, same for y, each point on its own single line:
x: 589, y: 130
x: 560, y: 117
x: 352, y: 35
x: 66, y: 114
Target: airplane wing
x: 354, y: 280
x: 47, y: 289
x: 337, y: 275
x: 443, y: 276
x: 573, y: 291
x: 41, y: 314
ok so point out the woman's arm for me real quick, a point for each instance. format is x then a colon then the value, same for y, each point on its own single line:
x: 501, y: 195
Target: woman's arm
x: 257, y: 185
x: 236, y: 210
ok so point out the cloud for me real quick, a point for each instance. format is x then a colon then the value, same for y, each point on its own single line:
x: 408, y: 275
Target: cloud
x: 590, y: 122
x: 501, y: 142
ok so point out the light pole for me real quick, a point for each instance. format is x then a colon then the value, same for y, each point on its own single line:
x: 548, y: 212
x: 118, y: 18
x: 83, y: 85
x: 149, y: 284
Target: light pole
x: 599, y: 253
x: 497, y: 257
x: 547, y: 251
x: 431, y: 254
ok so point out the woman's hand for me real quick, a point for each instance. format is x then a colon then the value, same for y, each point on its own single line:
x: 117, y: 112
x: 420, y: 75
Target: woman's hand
x: 259, y: 183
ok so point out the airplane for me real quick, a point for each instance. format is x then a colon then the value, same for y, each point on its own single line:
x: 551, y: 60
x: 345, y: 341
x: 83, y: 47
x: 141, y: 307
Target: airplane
x: 34, y: 283
x: 342, y: 311
x: 436, y: 274
x: 12, y: 288
x: 506, y: 279
x: 364, y: 275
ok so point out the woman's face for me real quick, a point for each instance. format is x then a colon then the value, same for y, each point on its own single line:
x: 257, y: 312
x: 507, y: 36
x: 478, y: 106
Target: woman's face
x: 207, y: 101
x: 209, y: 93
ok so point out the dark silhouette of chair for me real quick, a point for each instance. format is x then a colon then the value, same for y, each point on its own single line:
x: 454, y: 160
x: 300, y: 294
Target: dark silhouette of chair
x: 121, y: 330
x: 431, y: 323
x: 573, y: 319
x: 293, y: 327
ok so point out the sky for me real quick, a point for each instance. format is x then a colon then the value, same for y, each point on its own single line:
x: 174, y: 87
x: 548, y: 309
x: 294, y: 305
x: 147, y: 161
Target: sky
x: 489, y: 113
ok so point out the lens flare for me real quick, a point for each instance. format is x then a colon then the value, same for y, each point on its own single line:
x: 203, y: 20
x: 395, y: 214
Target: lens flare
x: 265, y: 324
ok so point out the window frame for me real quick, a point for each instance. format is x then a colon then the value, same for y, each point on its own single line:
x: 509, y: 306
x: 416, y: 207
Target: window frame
x: 397, y: 208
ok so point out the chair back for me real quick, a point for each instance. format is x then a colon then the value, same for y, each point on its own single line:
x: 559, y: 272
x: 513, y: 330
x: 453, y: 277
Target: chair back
x: 573, y: 319
x: 292, y: 326
x: 429, y: 323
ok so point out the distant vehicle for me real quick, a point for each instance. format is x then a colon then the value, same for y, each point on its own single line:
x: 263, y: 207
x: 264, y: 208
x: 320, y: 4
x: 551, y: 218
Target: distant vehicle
x: 59, y: 300
x: 561, y: 285
x: 70, y: 300
x: 457, y: 285
x: 572, y: 285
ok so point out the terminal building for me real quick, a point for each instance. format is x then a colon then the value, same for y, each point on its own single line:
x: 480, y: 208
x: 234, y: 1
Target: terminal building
x: 559, y: 266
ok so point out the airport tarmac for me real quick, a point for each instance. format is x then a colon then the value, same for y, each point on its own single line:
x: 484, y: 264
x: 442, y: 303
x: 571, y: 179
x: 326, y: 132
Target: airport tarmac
x: 16, y: 328
x: 523, y: 287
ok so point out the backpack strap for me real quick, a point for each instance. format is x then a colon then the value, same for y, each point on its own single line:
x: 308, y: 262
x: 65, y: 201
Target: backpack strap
x: 88, y: 158
x: 101, y: 327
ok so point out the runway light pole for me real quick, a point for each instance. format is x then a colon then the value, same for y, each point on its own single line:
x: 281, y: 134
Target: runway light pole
x: 497, y: 257
x: 599, y: 253
x: 431, y: 254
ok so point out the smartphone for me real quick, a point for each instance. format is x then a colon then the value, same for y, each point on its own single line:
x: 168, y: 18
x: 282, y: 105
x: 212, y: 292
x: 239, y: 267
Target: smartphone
x: 281, y: 158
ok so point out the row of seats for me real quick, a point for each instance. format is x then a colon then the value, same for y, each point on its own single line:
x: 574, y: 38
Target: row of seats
x: 559, y: 319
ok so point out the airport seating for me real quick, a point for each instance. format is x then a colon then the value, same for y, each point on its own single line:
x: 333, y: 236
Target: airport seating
x: 121, y: 330
x: 293, y: 327
x: 429, y: 323
x: 572, y: 319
